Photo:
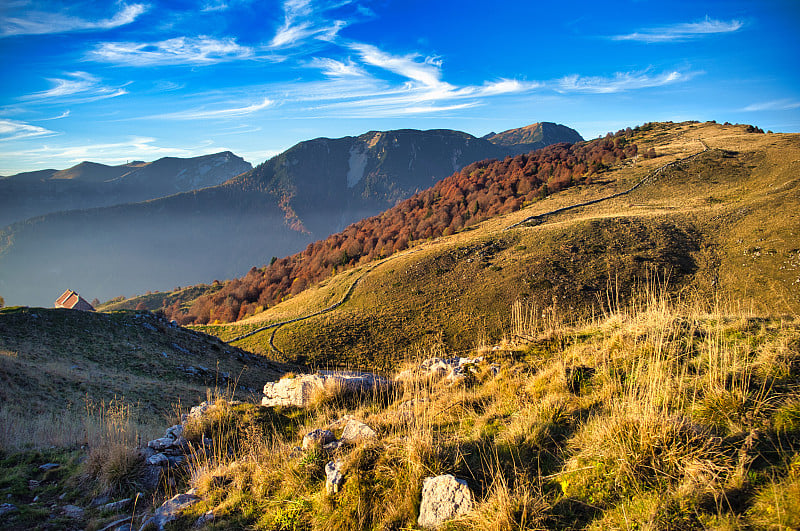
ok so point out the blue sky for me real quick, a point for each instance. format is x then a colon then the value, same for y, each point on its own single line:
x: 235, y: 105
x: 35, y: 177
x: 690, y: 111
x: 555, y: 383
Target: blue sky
x: 115, y: 81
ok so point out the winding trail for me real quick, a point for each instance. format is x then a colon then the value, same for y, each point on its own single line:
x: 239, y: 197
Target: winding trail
x: 540, y: 217
x: 345, y: 297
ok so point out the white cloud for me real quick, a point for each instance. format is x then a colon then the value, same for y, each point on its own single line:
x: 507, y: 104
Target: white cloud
x: 203, y: 114
x: 76, y: 87
x: 620, y: 82
x: 46, y: 22
x: 107, y: 153
x: 774, y: 105
x: 338, y: 69
x: 508, y: 86
x: 60, y: 116
x: 307, y: 19
x: 682, y: 31
x: 362, y: 89
x: 14, y: 130
x: 427, y: 72
x: 177, y: 51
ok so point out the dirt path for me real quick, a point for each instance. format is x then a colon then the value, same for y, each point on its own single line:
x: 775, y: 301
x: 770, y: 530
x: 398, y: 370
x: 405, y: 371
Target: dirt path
x: 345, y: 297
x: 650, y: 176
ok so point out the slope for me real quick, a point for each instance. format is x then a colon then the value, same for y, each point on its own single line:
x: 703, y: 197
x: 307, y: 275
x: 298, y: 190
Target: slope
x: 61, y: 364
x: 722, y: 224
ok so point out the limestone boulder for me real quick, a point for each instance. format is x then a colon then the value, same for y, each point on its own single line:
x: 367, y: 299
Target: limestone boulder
x: 170, y: 511
x: 317, y: 438
x: 300, y: 390
x: 334, y: 476
x: 443, y: 498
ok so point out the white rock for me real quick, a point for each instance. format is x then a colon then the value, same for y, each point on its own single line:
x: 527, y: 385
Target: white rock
x: 334, y: 476
x: 317, y: 438
x: 355, y: 431
x: 158, y: 460
x: 443, y: 498
x: 171, y: 510
x: 300, y: 390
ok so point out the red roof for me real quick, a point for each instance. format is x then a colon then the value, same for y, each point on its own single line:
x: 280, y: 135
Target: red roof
x: 71, y: 300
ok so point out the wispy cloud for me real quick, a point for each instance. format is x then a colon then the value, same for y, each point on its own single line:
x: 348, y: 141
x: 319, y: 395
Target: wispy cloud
x: 774, y: 105
x: 177, y: 51
x: 338, y: 69
x: 47, y: 22
x: 112, y: 152
x: 427, y: 72
x: 76, y: 87
x: 308, y: 19
x: 59, y: 117
x: 619, y: 82
x: 204, y: 114
x: 683, y: 31
x: 14, y: 130
x: 362, y: 88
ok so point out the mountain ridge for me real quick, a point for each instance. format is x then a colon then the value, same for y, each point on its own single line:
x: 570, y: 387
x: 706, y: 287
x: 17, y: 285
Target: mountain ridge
x: 275, y: 209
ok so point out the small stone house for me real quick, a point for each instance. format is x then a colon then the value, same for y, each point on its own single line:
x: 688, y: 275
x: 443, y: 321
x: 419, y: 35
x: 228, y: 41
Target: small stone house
x: 72, y: 301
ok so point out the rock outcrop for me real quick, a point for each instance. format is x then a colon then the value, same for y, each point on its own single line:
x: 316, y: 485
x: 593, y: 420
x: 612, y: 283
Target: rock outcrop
x: 443, y: 498
x: 171, y: 510
x: 302, y: 389
x: 450, y: 369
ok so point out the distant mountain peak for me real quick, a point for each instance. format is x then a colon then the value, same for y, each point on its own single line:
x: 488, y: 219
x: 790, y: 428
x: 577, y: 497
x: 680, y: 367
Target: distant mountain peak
x: 534, y: 136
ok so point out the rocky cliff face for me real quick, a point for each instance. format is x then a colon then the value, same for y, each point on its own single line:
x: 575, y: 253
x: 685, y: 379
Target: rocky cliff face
x: 330, y: 183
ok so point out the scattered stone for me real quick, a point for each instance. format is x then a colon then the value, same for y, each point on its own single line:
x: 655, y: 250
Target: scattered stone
x: 317, y: 438
x: 151, y: 477
x: 100, y: 500
x: 199, y: 410
x: 6, y: 508
x: 333, y: 446
x: 72, y: 511
x: 117, y: 525
x: 175, y: 431
x: 355, y: 431
x: 180, y: 349
x: 168, y: 445
x: 158, y: 460
x: 204, y: 519
x: 301, y: 389
x: 33, y: 484
x: 35, y: 499
x: 334, y: 476
x: 117, y: 506
x: 443, y: 498
x: 451, y: 369
x: 175, y: 460
x: 49, y: 466
x: 170, y: 511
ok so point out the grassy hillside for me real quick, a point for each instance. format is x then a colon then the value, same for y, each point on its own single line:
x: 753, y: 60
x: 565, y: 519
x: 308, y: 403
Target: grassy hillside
x: 723, y: 224
x: 60, y: 368
x: 656, y: 415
